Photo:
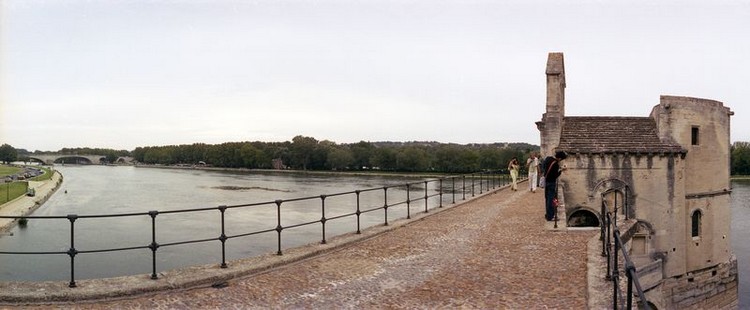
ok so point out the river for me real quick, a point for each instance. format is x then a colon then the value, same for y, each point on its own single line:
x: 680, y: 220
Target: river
x: 740, y: 234
x: 90, y: 190
x: 105, y: 190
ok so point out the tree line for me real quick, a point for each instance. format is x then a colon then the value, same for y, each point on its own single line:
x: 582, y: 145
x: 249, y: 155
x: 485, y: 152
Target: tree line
x: 307, y: 153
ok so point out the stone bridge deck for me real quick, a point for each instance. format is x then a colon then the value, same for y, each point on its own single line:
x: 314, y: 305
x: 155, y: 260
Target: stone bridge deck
x: 492, y: 252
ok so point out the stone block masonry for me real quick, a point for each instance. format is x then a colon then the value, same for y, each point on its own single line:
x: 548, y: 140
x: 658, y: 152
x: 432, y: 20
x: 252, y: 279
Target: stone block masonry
x: 710, y: 288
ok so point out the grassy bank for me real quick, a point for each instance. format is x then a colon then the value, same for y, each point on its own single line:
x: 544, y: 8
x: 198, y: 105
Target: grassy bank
x: 46, y: 176
x: 10, y: 191
x: 8, y: 170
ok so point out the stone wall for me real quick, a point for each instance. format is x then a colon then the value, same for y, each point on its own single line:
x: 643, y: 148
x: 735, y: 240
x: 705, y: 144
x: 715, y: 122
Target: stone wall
x: 701, y: 126
x: 656, y: 196
x: 710, y: 288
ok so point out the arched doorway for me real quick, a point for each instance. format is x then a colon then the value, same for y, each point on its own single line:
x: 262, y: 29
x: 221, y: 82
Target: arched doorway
x: 582, y: 217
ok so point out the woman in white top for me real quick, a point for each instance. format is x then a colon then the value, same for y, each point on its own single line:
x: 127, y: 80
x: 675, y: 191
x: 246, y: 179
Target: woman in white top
x: 531, y: 165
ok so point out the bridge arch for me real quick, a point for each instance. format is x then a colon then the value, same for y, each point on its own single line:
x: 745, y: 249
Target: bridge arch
x: 37, y: 160
x: 73, y: 159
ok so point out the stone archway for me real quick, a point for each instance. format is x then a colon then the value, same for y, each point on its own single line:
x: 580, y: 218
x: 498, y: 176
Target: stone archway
x: 584, y: 217
x: 617, y: 194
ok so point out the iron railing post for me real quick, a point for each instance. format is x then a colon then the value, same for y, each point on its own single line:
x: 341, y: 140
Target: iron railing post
x: 616, y: 209
x: 440, y: 193
x: 385, y: 204
x: 223, y: 238
x: 72, y: 251
x: 278, y: 225
x: 603, y: 228
x: 425, y: 197
x: 359, y: 213
x: 609, y: 251
x: 323, y: 216
x: 153, y: 246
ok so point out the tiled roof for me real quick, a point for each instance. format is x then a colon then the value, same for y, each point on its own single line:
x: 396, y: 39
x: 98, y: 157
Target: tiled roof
x: 583, y: 134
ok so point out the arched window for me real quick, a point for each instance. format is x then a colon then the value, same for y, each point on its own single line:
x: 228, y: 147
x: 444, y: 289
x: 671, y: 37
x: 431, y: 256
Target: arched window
x: 696, y: 227
x: 615, y: 199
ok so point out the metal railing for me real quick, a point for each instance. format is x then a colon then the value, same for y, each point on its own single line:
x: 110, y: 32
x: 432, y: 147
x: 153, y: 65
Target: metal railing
x: 612, y: 247
x: 466, y: 185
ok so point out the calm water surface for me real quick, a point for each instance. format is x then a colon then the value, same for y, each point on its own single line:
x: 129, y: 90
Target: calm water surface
x: 740, y: 236
x: 107, y: 190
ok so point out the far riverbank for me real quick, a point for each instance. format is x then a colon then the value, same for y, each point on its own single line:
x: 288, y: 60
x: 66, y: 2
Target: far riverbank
x: 303, y: 172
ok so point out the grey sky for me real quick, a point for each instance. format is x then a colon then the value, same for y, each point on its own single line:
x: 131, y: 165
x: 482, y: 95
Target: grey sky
x: 122, y: 74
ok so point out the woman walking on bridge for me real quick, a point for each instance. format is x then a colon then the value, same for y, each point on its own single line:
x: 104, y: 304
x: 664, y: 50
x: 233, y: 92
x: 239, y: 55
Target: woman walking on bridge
x: 531, y: 166
x: 513, y: 168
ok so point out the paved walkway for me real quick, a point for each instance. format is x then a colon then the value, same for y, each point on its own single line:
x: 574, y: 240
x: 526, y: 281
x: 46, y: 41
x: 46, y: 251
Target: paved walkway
x: 491, y: 253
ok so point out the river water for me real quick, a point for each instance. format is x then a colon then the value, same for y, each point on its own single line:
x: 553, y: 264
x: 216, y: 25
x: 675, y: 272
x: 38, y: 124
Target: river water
x: 91, y: 190
x: 740, y: 235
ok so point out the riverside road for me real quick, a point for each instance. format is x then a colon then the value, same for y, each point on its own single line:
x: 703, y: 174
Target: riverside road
x: 494, y: 252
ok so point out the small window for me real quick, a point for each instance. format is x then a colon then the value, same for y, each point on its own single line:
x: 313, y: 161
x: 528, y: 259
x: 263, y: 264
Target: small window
x: 696, y: 227
x: 694, y: 136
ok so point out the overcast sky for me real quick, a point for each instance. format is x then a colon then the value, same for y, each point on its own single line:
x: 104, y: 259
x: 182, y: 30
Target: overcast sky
x: 122, y: 74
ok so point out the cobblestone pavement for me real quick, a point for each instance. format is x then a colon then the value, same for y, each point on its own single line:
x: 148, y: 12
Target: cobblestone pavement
x: 492, y: 253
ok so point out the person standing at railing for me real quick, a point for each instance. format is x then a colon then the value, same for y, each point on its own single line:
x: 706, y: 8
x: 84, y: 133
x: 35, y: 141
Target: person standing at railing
x: 513, y: 168
x: 531, y: 166
x: 553, y: 170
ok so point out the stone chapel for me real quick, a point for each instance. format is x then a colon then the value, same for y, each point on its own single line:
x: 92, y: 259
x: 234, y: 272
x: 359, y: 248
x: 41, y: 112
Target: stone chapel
x: 668, y: 172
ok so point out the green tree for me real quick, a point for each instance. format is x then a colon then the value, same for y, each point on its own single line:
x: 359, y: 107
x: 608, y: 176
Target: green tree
x: 8, y: 154
x: 448, y: 158
x: 111, y: 156
x: 740, y: 158
x: 412, y: 158
x: 362, y: 152
x: 302, y: 150
x: 340, y: 159
x: 384, y: 158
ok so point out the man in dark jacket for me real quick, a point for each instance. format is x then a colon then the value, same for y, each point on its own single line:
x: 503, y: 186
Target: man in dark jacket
x: 552, y: 171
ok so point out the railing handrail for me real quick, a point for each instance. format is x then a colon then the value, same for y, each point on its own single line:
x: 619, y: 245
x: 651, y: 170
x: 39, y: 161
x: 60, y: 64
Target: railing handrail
x: 613, y: 239
x: 495, y: 179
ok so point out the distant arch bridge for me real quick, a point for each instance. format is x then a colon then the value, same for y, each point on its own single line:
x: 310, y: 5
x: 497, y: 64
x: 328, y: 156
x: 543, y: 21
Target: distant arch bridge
x: 49, y: 159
